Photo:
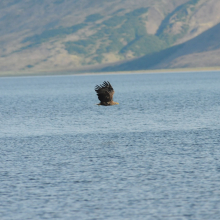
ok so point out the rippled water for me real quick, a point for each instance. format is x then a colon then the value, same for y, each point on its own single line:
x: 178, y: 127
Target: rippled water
x: 156, y: 155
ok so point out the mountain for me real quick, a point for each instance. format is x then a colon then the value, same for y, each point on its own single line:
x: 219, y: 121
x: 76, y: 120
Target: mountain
x: 201, y: 51
x: 39, y: 35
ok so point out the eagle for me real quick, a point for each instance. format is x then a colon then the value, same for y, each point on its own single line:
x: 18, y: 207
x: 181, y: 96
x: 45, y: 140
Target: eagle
x: 105, y: 94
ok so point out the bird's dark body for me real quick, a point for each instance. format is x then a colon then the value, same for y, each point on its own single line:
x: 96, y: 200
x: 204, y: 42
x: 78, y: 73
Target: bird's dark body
x: 105, y: 94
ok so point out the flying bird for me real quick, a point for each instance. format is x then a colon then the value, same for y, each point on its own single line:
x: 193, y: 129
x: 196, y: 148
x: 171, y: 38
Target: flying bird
x: 105, y: 94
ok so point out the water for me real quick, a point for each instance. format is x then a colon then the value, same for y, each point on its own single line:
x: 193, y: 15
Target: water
x: 156, y: 155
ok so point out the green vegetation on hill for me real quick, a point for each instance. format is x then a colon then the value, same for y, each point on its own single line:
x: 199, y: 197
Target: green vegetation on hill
x: 180, y: 14
x: 145, y: 62
x: 119, y: 35
x: 49, y: 34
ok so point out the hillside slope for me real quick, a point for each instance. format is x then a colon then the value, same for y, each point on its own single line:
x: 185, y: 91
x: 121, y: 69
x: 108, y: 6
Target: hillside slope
x: 201, y: 51
x: 68, y: 34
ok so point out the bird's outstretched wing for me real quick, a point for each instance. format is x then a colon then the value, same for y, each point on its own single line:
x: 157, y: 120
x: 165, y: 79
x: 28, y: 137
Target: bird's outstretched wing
x: 105, y: 92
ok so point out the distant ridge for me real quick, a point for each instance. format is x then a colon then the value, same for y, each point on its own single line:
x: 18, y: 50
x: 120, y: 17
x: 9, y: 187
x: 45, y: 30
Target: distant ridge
x: 65, y: 35
x: 201, y: 51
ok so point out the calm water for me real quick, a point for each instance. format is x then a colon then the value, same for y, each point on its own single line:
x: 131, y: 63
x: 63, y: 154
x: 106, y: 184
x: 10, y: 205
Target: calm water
x: 154, y: 156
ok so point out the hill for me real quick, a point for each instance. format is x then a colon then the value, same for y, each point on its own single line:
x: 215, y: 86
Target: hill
x: 69, y: 34
x: 201, y: 51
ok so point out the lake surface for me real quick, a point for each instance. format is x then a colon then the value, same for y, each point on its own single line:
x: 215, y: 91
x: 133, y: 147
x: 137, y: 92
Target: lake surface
x: 156, y: 155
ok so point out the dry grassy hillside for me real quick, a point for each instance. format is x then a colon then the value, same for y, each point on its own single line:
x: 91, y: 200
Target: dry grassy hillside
x: 38, y: 35
x: 201, y: 51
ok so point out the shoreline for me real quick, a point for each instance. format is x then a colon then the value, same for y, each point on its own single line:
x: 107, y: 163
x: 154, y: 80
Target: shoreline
x: 78, y: 73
